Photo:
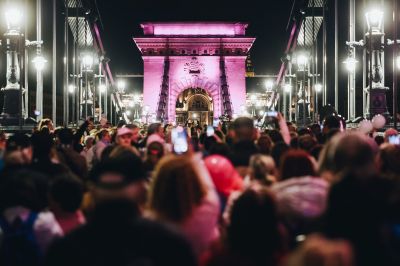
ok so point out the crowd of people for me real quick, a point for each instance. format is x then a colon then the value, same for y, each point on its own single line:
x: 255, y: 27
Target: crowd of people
x: 227, y: 195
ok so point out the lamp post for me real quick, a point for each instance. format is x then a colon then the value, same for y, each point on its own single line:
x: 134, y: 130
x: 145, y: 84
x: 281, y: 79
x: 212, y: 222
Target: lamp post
x: 136, y: 104
x: 318, y: 89
x: 253, y: 99
x: 374, y: 40
x: 287, y: 89
x: 302, y: 103
x: 12, y: 107
x: 146, y: 113
x: 121, y: 86
x: 86, y: 67
x: 269, y: 85
x: 102, y: 91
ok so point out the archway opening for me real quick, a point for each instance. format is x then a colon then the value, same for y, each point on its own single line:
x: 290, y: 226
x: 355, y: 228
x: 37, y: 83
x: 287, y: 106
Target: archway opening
x: 194, y: 106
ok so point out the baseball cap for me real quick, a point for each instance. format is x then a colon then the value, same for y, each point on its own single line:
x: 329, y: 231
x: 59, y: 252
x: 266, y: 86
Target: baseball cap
x: 123, y: 131
x: 118, y: 172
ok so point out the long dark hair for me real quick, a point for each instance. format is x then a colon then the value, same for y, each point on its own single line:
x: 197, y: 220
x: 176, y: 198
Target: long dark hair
x: 254, y: 232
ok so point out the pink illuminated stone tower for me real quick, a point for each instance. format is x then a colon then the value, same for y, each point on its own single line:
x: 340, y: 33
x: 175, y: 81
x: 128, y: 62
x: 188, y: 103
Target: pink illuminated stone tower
x: 179, y: 56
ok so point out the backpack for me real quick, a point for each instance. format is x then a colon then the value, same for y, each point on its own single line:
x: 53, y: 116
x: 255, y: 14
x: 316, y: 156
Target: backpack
x: 19, y: 246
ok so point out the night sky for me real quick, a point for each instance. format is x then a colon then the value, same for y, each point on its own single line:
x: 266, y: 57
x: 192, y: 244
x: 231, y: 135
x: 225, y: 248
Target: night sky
x: 267, y: 21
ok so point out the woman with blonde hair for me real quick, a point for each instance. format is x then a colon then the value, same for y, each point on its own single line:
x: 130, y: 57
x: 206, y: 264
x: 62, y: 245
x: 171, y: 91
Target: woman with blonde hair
x: 182, y: 194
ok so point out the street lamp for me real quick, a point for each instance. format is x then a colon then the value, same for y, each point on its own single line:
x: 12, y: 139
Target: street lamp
x: 269, y: 84
x: 39, y: 62
x: 377, y: 90
x: 242, y: 109
x: 121, y: 86
x: 88, y: 94
x: 301, y: 61
x: 253, y: 101
x: 71, y: 88
x: 102, y: 88
x: 146, y: 113
x: 350, y: 63
x: 87, y: 61
x: 12, y: 107
x: 13, y: 18
x: 374, y: 19
x: 135, y: 103
x: 302, y: 102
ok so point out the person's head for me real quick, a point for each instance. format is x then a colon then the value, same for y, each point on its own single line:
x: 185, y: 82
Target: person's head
x: 66, y: 193
x: 209, y: 142
x: 155, y: 151
x: 121, y: 175
x: 304, y: 131
x: 155, y: 128
x: 331, y: 122
x: 89, y: 140
x: 65, y: 136
x: 124, y: 136
x: 349, y: 152
x: 379, y: 140
x: 315, y: 129
x: 307, y: 142
x: 296, y: 163
x: 135, y: 132
x: 176, y: 190
x: 46, y: 123
x: 18, y: 150
x: 389, y: 160
x: 244, y: 129
x: 42, y: 143
x: 264, y: 144
x: 23, y: 187
x: 253, y: 231
x: 278, y: 150
x: 104, y: 135
x: 262, y: 169
x: 275, y: 135
x: 350, y: 203
x: 220, y: 148
x: 317, y: 250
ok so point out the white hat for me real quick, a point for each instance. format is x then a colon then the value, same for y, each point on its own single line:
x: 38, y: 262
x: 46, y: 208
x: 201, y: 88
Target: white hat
x: 123, y: 131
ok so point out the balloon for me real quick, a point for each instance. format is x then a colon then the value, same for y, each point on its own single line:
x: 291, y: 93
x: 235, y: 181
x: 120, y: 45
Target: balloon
x: 365, y: 126
x: 226, y: 179
x: 378, y: 121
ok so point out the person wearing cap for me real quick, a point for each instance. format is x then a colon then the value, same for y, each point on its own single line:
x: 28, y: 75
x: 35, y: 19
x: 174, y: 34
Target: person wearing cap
x: 135, y: 134
x: 89, y: 142
x: 120, y: 176
x: 124, y: 136
x: 18, y: 150
x: 155, y: 132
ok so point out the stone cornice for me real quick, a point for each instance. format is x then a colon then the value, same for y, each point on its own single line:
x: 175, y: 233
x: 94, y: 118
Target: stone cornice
x: 193, y: 46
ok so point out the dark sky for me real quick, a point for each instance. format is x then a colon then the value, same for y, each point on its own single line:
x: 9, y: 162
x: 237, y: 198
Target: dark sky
x: 267, y: 21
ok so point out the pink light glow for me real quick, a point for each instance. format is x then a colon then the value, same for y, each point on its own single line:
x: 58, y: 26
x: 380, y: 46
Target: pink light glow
x: 194, y: 29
